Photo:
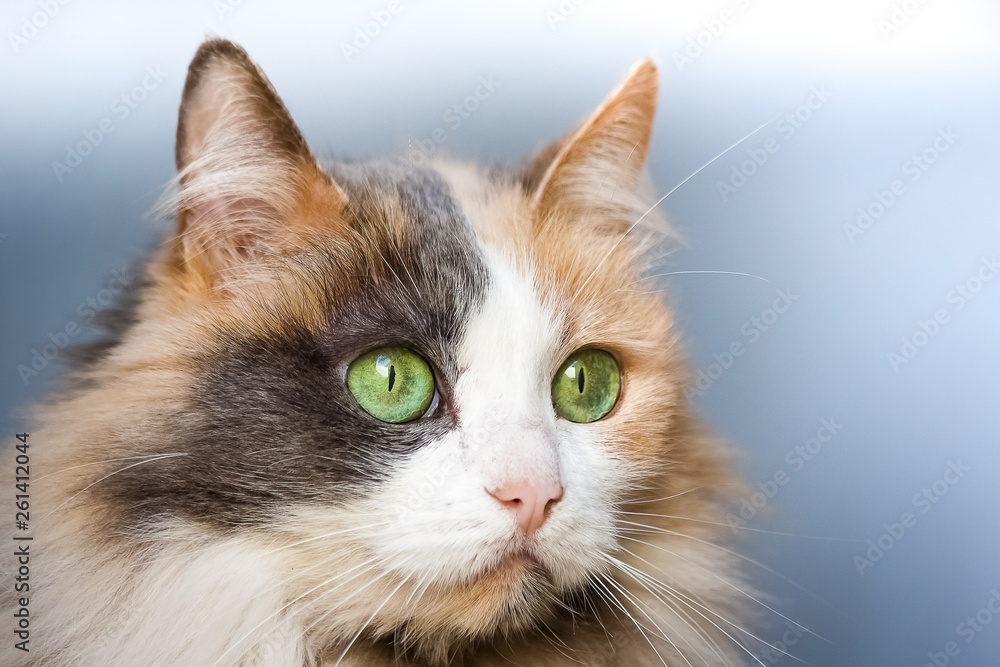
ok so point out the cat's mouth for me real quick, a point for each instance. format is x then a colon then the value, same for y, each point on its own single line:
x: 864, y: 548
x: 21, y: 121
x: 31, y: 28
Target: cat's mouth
x: 514, y: 565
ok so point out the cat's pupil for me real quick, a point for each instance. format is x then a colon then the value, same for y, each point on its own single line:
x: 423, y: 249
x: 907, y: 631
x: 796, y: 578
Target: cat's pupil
x: 392, y: 376
x: 579, y: 380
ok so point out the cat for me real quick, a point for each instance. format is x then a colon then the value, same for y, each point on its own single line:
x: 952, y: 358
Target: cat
x: 384, y: 413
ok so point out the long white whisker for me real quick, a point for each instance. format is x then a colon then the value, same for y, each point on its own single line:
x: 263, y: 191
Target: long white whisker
x: 686, y: 273
x: 692, y: 604
x: 722, y: 579
x: 621, y: 169
x: 422, y: 588
x: 326, y: 535
x: 395, y: 248
x: 611, y: 598
x: 755, y: 530
x: 311, y: 603
x: 301, y: 573
x: 94, y: 463
x: 747, y: 559
x: 340, y: 603
x: 158, y: 458
x: 289, y: 604
x: 390, y: 266
x: 688, y: 620
x: 366, y: 623
x: 554, y: 641
x: 677, y: 609
x: 661, y: 199
x: 589, y: 602
x: 638, y: 606
x: 657, y: 500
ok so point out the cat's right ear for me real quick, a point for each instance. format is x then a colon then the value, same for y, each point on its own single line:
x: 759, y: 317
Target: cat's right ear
x: 595, y: 169
x: 249, y: 188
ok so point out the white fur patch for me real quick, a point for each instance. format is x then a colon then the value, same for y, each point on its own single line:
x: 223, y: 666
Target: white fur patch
x: 447, y: 526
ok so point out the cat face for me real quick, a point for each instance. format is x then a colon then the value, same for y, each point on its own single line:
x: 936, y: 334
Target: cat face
x: 538, y: 386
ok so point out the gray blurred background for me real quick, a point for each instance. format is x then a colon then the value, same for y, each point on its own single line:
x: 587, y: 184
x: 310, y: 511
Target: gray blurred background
x: 863, y: 401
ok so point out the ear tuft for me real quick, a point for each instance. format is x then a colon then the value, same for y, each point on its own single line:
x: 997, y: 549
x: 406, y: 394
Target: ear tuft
x: 248, y: 186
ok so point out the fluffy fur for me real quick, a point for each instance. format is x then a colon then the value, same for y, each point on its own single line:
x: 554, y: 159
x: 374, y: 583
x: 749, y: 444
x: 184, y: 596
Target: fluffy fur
x: 206, y: 491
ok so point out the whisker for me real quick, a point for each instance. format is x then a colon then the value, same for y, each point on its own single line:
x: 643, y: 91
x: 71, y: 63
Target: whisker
x: 553, y: 639
x: 621, y: 170
x: 661, y: 199
x: 747, y: 559
x: 638, y: 607
x: 152, y: 460
x: 94, y: 463
x: 340, y: 603
x: 292, y: 614
x: 611, y: 598
x: 691, y: 604
x: 389, y: 265
x: 589, y: 602
x: 286, y: 606
x: 395, y: 247
x: 677, y: 609
x: 657, y: 500
x: 722, y: 579
x: 302, y: 572
x: 754, y: 530
x: 326, y: 535
x: 689, y: 621
x: 422, y: 587
x: 686, y: 273
x: 366, y: 623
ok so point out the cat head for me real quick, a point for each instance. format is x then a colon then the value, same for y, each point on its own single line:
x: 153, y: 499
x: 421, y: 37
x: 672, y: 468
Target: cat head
x: 433, y: 391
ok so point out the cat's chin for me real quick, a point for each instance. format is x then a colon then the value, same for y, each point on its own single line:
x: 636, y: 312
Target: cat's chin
x: 515, y: 573
x: 512, y: 565
x: 512, y: 596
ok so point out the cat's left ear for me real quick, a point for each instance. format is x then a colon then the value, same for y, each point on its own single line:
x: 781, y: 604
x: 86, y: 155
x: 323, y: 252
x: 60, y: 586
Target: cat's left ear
x: 249, y: 187
x: 596, y: 168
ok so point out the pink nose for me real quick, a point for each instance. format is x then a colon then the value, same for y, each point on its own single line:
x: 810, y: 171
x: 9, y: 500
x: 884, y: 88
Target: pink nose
x: 530, y: 502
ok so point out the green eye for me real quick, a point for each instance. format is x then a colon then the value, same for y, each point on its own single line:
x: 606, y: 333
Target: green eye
x: 586, y: 386
x: 392, y: 384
